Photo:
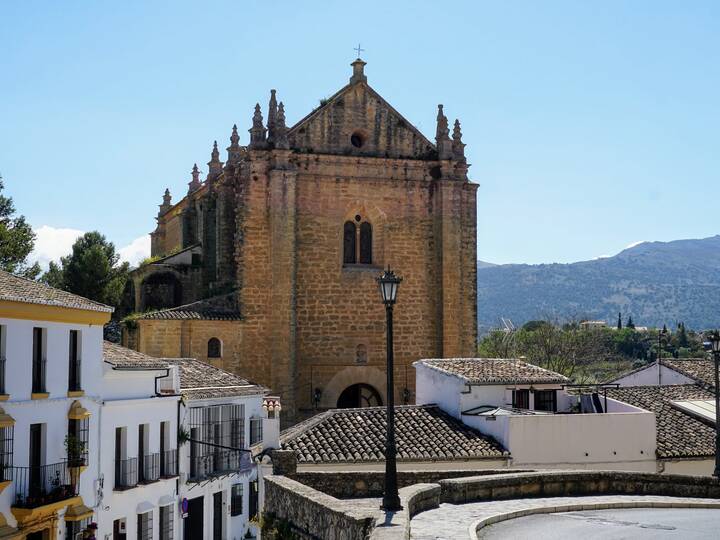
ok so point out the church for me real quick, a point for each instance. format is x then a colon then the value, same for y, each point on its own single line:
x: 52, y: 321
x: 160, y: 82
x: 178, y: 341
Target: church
x: 267, y: 267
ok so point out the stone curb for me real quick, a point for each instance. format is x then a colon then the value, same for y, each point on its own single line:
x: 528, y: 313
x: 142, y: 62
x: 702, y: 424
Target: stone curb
x: 474, y: 527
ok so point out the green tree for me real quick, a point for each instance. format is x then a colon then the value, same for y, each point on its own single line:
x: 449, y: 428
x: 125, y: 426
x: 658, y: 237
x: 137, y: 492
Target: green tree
x: 17, y: 240
x: 682, y: 337
x: 619, y: 324
x: 93, y: 270
x: 630, y: 323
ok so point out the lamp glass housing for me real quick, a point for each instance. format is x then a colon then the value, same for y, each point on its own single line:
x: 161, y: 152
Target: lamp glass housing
x: 389, y: 284
x: 715, y: 341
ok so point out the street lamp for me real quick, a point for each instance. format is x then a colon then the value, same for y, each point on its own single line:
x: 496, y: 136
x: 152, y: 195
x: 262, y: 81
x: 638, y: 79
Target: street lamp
x: 715, y: 343
x: 389, y: 284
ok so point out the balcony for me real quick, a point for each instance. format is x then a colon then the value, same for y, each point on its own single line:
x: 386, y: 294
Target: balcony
x: 168, y: 463
x: 126, y: 473
x: 150, y: 468
x: 218, y: 463
x: 43, y: 485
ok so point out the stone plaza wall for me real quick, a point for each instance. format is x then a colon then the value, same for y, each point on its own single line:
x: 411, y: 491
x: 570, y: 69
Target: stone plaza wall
x: 357, y: 484
x: 314, y: 514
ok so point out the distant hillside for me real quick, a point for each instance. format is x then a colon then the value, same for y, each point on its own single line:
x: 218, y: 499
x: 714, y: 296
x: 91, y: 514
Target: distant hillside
x: 655, y: 282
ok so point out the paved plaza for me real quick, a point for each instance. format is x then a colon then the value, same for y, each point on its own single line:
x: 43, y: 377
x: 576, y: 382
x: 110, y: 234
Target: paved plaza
x: 598, y: 517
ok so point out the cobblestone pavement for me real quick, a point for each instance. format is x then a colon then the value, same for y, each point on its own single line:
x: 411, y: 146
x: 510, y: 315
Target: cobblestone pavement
x: 635, y: 523
x: 452, y: 522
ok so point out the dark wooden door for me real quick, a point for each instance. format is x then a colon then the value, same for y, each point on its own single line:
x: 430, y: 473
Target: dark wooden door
x: 36, y: 480
x: 141, y: 452
x: 193, y: 524
x: 217, y: 516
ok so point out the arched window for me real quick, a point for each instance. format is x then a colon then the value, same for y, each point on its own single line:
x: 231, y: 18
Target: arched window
x: 214, y: 348
x: 349, y: 242
x: 365, y: 243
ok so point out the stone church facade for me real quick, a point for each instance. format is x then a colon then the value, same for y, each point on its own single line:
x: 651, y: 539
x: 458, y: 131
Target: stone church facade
x: 268, y: 266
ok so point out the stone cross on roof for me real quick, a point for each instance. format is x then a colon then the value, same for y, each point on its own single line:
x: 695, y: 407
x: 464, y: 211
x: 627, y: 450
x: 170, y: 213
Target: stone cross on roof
x: 359, y: 50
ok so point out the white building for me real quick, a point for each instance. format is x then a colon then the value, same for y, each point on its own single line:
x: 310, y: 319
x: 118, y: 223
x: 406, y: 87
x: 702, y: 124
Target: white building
x: 536, y: 416
x: 90, y: 431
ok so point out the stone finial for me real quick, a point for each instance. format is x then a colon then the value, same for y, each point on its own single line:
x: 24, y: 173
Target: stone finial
x: 257, y: 131
x: 272, y: 116
x: 458, y: 147
x: 358, y: 71
x: 442, y: 136
x: 234, y: 149
x: 281, y: 138
x: 194, y: 184
x: 167, y: 202
x: 214, y: 165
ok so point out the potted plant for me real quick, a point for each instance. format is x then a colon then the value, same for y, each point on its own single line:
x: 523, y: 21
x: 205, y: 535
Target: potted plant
x: 75, y: 449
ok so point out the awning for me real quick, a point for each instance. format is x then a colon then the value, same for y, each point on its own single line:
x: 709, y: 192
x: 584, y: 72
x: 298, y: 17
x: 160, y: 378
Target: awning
x: 143, y: 507
x: 78, y: 512
x: 77, y: 411
x: 5, y: 419
x: 166, y: 500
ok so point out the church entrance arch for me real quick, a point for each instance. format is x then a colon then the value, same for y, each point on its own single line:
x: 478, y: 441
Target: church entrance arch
x: 348, y: 377
x: 359, y: 395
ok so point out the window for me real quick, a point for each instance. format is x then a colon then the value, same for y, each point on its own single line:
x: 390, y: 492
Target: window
x: 74, y: 376
x: 214, y: 348
x: 237, y: 425
x: 77, y: 442
x: 349, y: 240
x: 2, y: 359
x: 365, y: 243
x: 38, y: 361
x: 166, y: 523
x: 256, y: 433
x: 74, y: 528
x: 236, y: 500
x: 6, y: 453
x: 521, y: 399
x: 145, y: 526
x: 545, y: 400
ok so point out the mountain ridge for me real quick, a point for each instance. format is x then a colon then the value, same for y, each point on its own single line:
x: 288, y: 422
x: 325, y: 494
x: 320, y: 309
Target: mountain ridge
x: 655, y: 282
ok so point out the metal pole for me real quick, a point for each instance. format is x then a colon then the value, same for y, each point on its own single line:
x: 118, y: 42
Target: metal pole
x: 716, y: 355
x: 391, y: 499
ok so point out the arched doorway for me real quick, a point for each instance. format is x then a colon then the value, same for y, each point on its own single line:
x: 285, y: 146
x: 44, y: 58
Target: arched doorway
x: 359, y: 395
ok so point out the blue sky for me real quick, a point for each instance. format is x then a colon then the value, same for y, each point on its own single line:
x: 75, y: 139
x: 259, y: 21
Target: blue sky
x: 589, y: 125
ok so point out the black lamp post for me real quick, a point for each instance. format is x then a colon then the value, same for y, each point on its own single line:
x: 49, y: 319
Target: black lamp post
x: 715, y: 342
x: 389, y: 284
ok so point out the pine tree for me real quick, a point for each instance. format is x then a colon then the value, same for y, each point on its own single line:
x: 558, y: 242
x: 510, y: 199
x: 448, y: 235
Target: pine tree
x: 682, y: 337
x: 630, y: 324
x: 619, y: 324
x: 17, y: 240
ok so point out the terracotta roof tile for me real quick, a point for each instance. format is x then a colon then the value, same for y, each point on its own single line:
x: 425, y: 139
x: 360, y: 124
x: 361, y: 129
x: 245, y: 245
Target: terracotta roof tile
x: 701, y: 370
x: 218, y: 308
x: 678, y: 433
x: 494, y: 371
x: 200, y: 380
x: 423, y: 433
x: 17, y: 289
x: 124, y: 358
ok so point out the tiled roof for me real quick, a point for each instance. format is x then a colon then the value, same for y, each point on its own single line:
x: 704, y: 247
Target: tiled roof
x: 494, y: 371
x: 199, y: 380
x: 423, y: 433
x: 17, y: 289
x: 678, y: 433
x: 217, y: 308
x: 124, y: 358
x: 701, y: 370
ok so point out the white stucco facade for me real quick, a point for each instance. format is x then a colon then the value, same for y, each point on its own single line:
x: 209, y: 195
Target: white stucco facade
x: 622, y: 438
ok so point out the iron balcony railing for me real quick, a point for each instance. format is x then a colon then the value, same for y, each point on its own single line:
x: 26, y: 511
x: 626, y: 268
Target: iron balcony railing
x: 39, y: 485
x: 150, y: 468
x: 168, y: 463
x: 126, y: 473
x: 217, y: 463
x: 38, y: 376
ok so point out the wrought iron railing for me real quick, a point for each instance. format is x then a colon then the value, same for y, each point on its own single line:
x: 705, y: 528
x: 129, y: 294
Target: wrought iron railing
x: 126, y: 473
x: 38, y: 375
x: 43, y: 484
x: 168, y: 463
x: 150, y: 468
x: 74, y: 380
x: 217, y: 463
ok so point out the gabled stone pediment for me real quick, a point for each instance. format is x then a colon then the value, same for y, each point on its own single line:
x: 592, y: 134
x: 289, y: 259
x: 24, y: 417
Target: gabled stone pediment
x: 357, y: 121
